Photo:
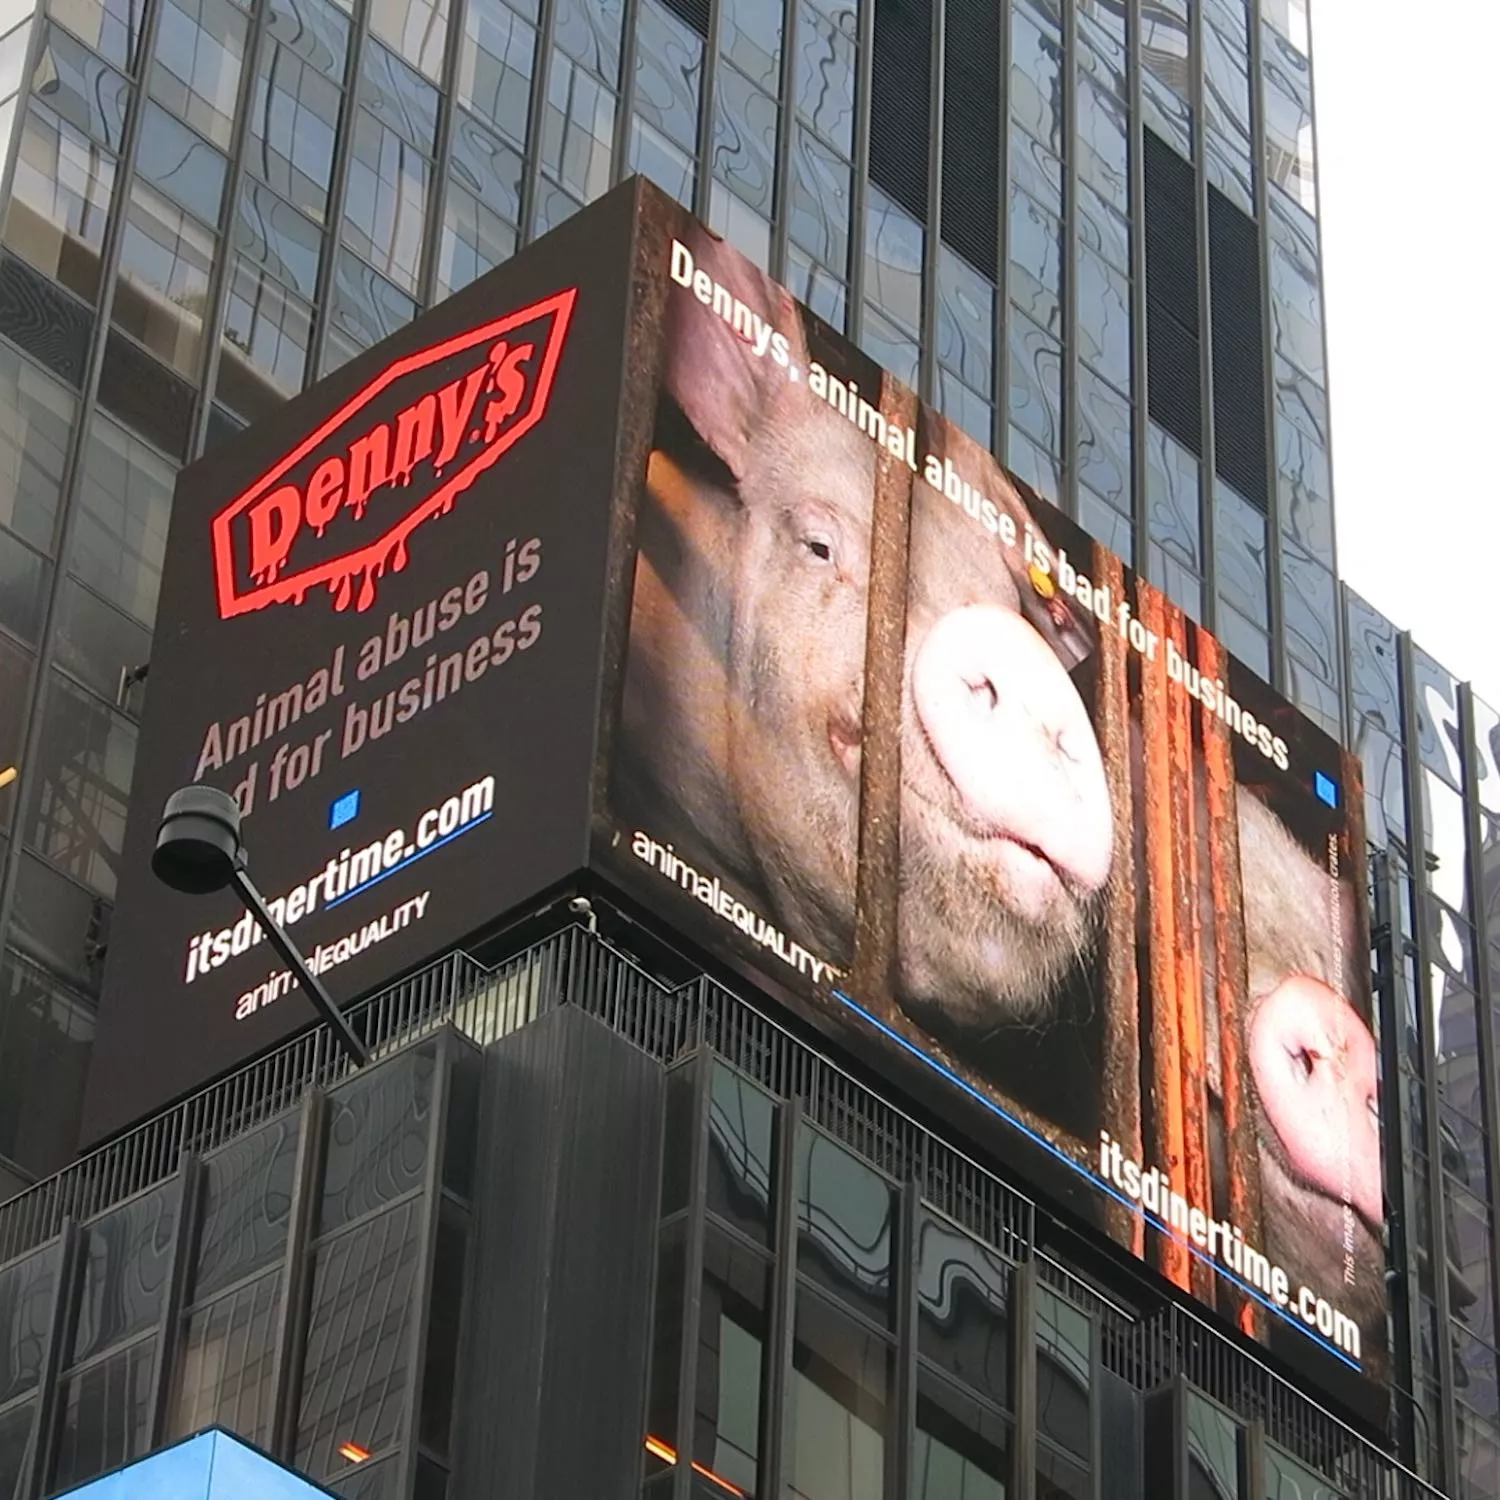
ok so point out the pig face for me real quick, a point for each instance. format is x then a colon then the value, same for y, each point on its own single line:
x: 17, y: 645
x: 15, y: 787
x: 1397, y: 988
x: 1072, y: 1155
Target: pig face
x: 1006, y: 827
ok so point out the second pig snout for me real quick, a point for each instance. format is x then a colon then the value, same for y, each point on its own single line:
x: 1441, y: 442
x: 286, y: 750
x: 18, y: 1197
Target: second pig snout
x: 1013, y: 740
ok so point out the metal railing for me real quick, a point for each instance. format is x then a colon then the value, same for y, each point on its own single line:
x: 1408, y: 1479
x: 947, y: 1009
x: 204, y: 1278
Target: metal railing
x: 575, y: 966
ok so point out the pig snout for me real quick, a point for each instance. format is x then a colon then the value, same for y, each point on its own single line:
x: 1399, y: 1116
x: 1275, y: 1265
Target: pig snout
x: 1013, y: 740
x: 1314, y: 1064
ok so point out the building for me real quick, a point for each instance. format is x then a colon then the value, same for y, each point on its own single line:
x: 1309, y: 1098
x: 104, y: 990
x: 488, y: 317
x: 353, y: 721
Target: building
x: 169, y: 271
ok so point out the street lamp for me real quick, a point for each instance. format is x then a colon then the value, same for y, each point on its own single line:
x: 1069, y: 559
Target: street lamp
x: 198, y: 850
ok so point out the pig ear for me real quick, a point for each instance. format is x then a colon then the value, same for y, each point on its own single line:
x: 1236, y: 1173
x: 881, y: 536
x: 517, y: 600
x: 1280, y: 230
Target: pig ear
x: 724, y: 389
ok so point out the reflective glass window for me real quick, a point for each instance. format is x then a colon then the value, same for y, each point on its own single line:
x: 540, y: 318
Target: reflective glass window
x: 1064, y: 1371
x: 671, y: 168
x: 1103, y: 228
x: 15, y: 685
x: 825, y: 76
x: 1036, y: 77
x: 1315, y: 697
x: 266, y: 334
x: 845, y: 1218
x: 1438, y: 737
x: 110, y: 27
x: 744, y: 152
x: 960, y: 1449
x: 398, y: 97
x: 414, y: 29
x: 226, y: 1364
x: 1310, y: 603
x: 487, y: 167
x: 125, y: 501
x: 1036, y: 260
x: 588, y: 32
x: 1296, y: 302
x: 965, y: 406
x: 474, y: 241
x: 1213, y: 1451
x: 27, y: 1289
x: 578, y: 130
x: 85, y: 763
x: 837, y: 1406
x: 181, y: 164
x: 366, y: 307
x: 746, y: 229
x: 962, y: 1294
x: 81, y: 88
x: 1103, y: 317
x: 165, y: 260
x: 1038, y: 467
x: 966, y: 320
x: 126, y: 1261
x: 751, y: 39
x: 820, y: 200
x: 668, y: 74
x: 1101, y: 520
x: 1290, y: 155
x: 732, y: 1323
x: 36, y: 414
x: 59, y: 200
x: 740, y: 1119
x: 385, y: 208
x: 816, y: 286
x: 1240, y: 552
x: 270, y: 233
x: 247, y: 1201
x: 103, y: 1418
x: 95, y: 642
x: 1103, y: 440
x: 1102, y: 161
x: 1036, y: 383
x: 1172, y: 474
x: 495, y: 66
x: 890, y: 345
x: 195, y: 69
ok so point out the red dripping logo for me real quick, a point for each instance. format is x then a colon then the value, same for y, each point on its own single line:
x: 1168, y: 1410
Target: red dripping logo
x: 429, y: 424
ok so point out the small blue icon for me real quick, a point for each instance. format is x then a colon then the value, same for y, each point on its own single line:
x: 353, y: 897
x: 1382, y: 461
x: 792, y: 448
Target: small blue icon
x: 345, y: 810
x: 1326, y: 788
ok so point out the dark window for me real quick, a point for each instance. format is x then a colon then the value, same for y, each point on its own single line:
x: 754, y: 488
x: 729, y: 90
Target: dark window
x: 1238, y: 349
x: 837, y: 1405
x: 27, y: 1288
x: 225, y: 1374
x: 740, y: 1120
x: 104, y: 1416
x: 1064, y: 1374
x: 666, y: 1344
x: 845, y: 1214
x: 15, y: 1435
x: 358, y: 1339
x: 961, y: 1447
x: 731, y: 1341
x: 43, y: 319
x: 126, y: 1260
x: 899, y: 91
x: 142, y: 391
x: 247, y: 1197
x: 96, y: 642
x: 1212, y: 1451
x: 60, y: 925
x: 971, y: 131
x: 444, y: 1319
x: 1172, y: 374
x: 377, y: 1138
x: 962, y: 1290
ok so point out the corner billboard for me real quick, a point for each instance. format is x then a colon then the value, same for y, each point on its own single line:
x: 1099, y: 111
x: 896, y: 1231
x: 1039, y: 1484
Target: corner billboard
x: 621, y: 559
x: 903, y: 742
x: 379, y: 628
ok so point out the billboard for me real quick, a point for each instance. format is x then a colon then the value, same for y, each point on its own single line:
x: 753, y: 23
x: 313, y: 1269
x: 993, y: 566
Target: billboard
x: 788, y: 658
x: 379, y: 627
x: 904, y: 743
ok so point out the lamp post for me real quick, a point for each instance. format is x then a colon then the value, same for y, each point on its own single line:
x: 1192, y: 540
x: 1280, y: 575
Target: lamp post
x: 198, y: 851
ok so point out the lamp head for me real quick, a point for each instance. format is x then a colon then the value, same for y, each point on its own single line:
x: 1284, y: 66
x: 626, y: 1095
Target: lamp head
x: 198, y: 842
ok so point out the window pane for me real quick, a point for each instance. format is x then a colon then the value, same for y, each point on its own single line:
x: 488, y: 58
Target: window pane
x: 578, y: 130
x: 127, y: 1257
x: 386, y: 206
x: 966, y: 321
x: 36, y: 414
x: 24, y: 580
x: 495, y: 66
x: 732, y: 1335
x: 1036, y: 384
x: 226, y: 1375
x: 95, y: 642
x: 836, y: 1406
x: 1036, y: 256
x: 487, y: 168
x: 270, y: 233
x: 845, y: 1215
x: 27, y: 1288
x: 104, y: 1416
x: 15, y: 1435
x: 1063, y: 1369
x: 110, y: 27
x: 416, y: 29
x: 358, y: 1337
x: 1172, y: 473
x: 266, y: 333
x: 819, y: 207
x: 1213, y: 1452
x: 59, y: 201
x: 1104, y: 439
x: 165, y: 258
x: 960, y: 1448
x: 366, y: 307
x: 668, y: 73
x: 183, y: 165
x: 588, y: 31
x: 963, y: 1326
x: 247, y: 1198
x: 200, y: 49
x: 474, y: 241
x: 125, y: 501
x: 295, y: 110
x: 825, y: 77
x: 378, y: 1126
x: 399, y: 98
x: 739, y: 1153
x: 751, y: 39
x: 84, y: 90
x: 744, y: 151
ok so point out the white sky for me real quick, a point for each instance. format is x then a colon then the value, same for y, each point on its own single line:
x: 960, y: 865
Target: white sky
x: 1407, y: 104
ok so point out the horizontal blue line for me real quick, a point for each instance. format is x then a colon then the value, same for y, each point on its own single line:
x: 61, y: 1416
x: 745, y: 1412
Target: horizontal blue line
x: 1103, y: 1186
x: 411, y: 859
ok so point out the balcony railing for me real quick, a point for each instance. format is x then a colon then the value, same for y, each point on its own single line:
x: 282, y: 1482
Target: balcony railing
x: 575, y: 966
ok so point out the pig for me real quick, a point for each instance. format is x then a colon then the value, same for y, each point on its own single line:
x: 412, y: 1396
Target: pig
x: 745, y: 685
x: 1315, y: 1073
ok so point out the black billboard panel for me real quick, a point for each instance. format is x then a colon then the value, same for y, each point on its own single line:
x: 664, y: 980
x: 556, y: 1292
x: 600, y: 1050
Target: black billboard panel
x: 379, y: 627
x: 902, y: 742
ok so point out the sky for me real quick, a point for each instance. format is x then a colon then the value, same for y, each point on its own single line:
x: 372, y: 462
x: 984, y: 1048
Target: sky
x: 1408, y: 136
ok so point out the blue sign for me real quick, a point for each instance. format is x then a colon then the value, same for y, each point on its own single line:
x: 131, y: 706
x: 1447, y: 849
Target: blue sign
x: 211, y: 1466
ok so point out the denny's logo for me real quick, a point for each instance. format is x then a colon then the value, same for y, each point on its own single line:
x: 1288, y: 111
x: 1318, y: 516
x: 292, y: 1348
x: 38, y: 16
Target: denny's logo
x: 337, y: 510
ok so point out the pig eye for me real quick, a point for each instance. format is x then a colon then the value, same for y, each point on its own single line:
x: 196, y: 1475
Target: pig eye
x: 819, y: 545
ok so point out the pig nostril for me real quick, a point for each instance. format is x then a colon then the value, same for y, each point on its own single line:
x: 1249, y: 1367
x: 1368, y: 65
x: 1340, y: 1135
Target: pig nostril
x: 985, y: 695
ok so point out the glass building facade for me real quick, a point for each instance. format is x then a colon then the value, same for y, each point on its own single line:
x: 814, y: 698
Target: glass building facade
x: 1088, y: 231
